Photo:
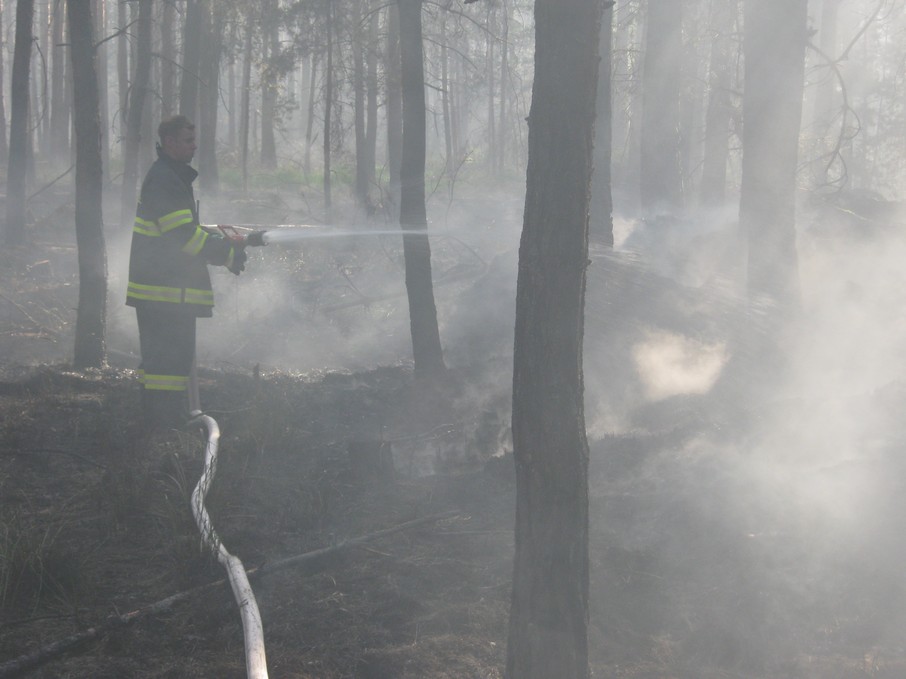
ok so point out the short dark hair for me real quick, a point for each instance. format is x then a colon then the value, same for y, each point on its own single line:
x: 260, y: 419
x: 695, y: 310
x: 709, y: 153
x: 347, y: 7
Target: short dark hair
x: 172, y: 126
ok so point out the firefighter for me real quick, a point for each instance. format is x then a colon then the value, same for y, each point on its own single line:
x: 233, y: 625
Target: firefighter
x: 169, y: 283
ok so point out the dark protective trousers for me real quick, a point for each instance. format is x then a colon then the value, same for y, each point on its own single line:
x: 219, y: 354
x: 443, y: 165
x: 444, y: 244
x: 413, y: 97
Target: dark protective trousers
x: 167, y: 343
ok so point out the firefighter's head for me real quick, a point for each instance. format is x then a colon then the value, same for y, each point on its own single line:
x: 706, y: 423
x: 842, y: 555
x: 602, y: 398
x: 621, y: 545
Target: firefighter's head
x: 177, y: 138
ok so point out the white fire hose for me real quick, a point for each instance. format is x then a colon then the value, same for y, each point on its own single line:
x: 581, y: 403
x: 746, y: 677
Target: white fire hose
x: 255, y: 660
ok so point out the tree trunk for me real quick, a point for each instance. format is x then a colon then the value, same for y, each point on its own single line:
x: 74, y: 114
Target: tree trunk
x: 4, y: 138
x: 59, y: 111
x: 271, y: 48
x: 310, y: 112
x: 18, y: 126
x: 661, y: 176
x: 358, y: 88
x: 720, y: 107
x: 774, y: 50
x: 601, y: 206
x: 122, y: 63
x: 89, y: 221
x: 136, y: 109
x: 209, y: 97
x: 167, y: 68
x: 371, y: 105
x: 244, y: 106
x: 328, y: 104
x: 393, y: 84
x: 504, y: 84
x: 99, y: 12
x: 191, y: 54
x: 426, y: 347
x: 548, y: 632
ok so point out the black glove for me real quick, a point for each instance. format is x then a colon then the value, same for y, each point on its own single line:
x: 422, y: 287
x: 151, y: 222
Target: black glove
x: 238, y: 265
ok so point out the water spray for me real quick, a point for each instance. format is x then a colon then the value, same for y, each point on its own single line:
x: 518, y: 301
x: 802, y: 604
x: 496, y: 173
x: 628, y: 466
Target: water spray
x: 256, y: 235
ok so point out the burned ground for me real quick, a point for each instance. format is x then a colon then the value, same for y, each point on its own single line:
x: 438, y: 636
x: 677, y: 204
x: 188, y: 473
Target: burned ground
x: 712, y: 555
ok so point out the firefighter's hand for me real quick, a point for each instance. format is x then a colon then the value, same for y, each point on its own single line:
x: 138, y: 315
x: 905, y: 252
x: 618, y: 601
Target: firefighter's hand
x: 237, y: 266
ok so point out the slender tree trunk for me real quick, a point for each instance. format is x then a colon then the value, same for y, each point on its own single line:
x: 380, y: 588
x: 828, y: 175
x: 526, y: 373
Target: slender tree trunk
x: 720, y: 106
x: 393, y: 84
x: 492, y: 128
x: 18, y: 126
x: 167, y: 68
x: 136, y: 109
x: 601, y: 206
x: 358, y: 87
x: 271, y: 48
x: 122, y: 64
x: 371, y: 104
x: 59, y: 110
x: 661, y: 176
x: 310, y: 115
x: 504, y: 84
x: 4, y: 138
x: 426, y: 347
x: 774, y: 50
x: 244, y: 106
x: 89, y: 220
x: 99, y: 12
x: 191, y: 54
x: 208, y: 175
x: 449, y: 162
x: 328, y: 103
x: 548, y: 634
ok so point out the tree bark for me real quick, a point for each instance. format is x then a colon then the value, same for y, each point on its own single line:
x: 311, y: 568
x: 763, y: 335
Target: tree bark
x: 99, y: 12
x: 4, y: 138
x: 358, y: 88
x: 59, y: 110
x: 167, y: 68
x: 18, y: 126
x: 426, y: 347
x: 774, y: 50
x: 244, y: 106
x: 601, y: 205
x: 136, y: 109
x: 269, y: 70
x: 394, y: 95
x: 89, y: 221
x: 122, y: 63
x: 209, y: 98
x: 191, y: 55
x: 548, y: 632
x: 328, y: 105
x: 661, y: 176
x: 724, y: 16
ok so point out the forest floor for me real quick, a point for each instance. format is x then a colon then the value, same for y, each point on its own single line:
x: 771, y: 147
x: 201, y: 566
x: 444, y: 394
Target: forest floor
x: 713, y: 554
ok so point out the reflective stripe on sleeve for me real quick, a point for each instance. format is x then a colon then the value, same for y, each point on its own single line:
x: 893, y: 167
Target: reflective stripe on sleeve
x: 146, y: 228
x: 196, y: 242
x: 202, y: 297
x: 229, y: 261
x: 175, y: 219
x: 154, y: 293
x: 166, y: 382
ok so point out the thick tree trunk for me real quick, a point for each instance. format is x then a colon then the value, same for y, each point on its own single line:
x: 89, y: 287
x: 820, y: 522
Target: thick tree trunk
x: 89, y: 221
x: 392, y: 80
x: 18, y: 126
x: 724, y: 16
x: 774, y: 45
x: 136, y: 109
x: 601, y: 206
x: 661, y: 177
x: 548, y: 634
x: 426, y: 347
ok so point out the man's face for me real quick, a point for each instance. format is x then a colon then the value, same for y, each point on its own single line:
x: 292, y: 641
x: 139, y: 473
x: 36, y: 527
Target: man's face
x: 182, y: 147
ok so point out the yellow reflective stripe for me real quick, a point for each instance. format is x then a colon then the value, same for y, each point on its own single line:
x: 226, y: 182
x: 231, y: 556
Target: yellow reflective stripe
x: 166, y: 382
x: 196, y: 242
x: 175, y: 219
x: 204, y: 297
x: 229, y: 261
x: 154, y: 293
x: 141, y: 375
x: 146, y: 228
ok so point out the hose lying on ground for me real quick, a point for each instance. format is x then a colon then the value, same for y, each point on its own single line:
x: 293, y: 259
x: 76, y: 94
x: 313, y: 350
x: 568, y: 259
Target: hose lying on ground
x: 315, y: 560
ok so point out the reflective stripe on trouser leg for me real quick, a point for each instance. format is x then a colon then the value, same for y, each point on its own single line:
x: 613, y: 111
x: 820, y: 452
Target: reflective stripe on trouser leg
x: 167, y: 339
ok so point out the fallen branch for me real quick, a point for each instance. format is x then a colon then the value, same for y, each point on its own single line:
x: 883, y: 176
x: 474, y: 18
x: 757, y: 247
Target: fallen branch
x: 316, y: 559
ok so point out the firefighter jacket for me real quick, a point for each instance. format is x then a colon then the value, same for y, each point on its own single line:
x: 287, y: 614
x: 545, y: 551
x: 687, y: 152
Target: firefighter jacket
x: 168, y: 264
